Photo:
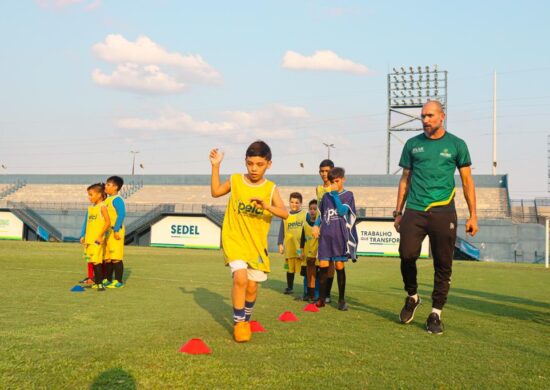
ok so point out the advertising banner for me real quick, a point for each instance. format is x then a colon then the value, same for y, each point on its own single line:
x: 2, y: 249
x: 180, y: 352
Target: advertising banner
x: 11, y: 227
x: 379, y: 238
x: 186, y: 232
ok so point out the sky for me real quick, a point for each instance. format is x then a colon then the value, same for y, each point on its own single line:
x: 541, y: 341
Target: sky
x: 83, y: 83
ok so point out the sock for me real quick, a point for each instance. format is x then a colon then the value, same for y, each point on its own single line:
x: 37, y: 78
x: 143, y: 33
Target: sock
x: 103, y: 270
x: 238, y: 315
x: 98, y: 274
x: 329, y: 286
x: 323, y: 276
x: 119, y: 270
x: 305, y: 286
x: 436, y: 311
x: 90, y: 270
x: 341, y: 276
x: 248, y: 307
x: 317, y: 286
x: 415, y: 296
x: 290, y: 280
x: 109, y: 271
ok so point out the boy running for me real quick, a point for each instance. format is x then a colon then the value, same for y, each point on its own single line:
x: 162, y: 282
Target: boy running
x: 252, y: 202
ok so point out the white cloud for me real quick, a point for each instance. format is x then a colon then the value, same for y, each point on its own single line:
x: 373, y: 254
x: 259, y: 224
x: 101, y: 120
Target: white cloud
x: 176, y: 69
x: 135, y: 77
x: 322, y: 60
x: 274, y: 122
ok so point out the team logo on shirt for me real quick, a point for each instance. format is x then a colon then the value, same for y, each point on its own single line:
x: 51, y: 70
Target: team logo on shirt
x: 296, y: 224
x: 249, y: 209
x: 445, y: 153
x: 418, y: 149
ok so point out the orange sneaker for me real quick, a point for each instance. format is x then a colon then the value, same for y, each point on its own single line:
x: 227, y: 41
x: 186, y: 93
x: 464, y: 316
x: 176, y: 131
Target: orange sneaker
x: 242, y: 332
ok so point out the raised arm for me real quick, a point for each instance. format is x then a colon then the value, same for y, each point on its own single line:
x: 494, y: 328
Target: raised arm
x: 217, y: 189
x: 402, y: 192
x: 470, y: 194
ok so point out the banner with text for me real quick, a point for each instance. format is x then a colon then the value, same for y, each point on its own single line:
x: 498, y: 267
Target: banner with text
x: 379, y: 238
x: 11, y: 227
x: 186, y: 232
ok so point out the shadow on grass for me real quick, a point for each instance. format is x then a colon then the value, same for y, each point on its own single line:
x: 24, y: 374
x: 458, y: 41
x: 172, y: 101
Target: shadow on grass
x: 214, y: 304
x: 115, y: 378
x: 126, y: 274
x: 476, y: 302
x: 277, y: 285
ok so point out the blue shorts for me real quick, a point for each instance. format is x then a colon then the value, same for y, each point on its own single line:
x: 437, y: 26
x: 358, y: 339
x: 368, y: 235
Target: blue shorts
x: 336, y: 258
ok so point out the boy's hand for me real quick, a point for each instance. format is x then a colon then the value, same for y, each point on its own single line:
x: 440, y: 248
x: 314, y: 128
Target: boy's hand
x: 82, y: 240
x: 260, y: 202
x: 281, y: 249
x: 316, y: 232
x: 116, y: 235
x: 99, y: 240
x: 216, y: 156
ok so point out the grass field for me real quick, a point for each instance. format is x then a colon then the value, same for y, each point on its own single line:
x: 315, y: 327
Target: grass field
x: 497, y: 331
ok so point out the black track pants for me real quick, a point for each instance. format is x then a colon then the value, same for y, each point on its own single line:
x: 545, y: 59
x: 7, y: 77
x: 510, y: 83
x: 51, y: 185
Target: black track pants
x: 440, y: 227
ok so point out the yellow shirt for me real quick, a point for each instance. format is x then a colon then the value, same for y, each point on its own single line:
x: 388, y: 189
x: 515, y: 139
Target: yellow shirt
x: 245, y: 225
x: 311, y: 244
x: 111, y: 210
x: 94, y: 223
x: 293, y: 232
x: 320, y: 191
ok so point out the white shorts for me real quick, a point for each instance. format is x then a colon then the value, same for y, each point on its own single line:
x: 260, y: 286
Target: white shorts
x: 253, y: 274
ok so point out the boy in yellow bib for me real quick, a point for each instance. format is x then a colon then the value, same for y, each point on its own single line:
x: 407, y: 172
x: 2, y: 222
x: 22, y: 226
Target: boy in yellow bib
x: 252, y: 202
x: 290, y: 233
x: 96, y: 224
x: 114, y: 250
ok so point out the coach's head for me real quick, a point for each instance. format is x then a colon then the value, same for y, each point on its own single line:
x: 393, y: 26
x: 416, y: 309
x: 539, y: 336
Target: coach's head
x: 432, y: 117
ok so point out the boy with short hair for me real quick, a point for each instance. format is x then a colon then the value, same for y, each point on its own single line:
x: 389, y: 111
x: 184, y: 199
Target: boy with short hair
x: 335, y: 228
x: 96, y: 224
x: 309, y: 245
x: 114, y: 250
x: 252, y: 202
x: 324, y: 168
x: 290, y: 233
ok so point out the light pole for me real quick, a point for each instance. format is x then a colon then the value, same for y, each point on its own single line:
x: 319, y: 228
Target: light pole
x: 133, y: 152
x: 328, y: 148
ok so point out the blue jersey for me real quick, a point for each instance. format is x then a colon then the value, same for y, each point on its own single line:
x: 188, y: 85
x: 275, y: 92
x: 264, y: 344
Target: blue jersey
x: 338, y: 234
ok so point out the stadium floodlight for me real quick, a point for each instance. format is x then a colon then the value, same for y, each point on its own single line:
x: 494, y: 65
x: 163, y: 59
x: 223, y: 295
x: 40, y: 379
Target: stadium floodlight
x: 409, y: 88
x: 328, y: 148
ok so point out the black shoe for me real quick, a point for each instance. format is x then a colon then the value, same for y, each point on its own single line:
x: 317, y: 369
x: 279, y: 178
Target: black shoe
x: 434, y: 324
x: 407, y: 313
x: 320, y: 303
x: 288, y: 291
x: 342, y: 305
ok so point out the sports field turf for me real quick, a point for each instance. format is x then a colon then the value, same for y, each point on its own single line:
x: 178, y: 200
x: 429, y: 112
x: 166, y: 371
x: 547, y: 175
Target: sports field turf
x: 497, y: 331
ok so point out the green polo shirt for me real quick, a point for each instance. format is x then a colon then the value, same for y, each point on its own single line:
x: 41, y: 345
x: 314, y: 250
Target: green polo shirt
x: 433, y: 163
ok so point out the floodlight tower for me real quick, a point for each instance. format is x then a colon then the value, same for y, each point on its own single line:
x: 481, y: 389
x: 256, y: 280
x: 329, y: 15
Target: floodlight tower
x: 408, y: 90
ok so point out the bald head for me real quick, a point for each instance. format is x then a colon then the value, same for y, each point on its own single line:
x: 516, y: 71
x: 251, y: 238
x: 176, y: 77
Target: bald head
x: 432, y: 119
x: 434, y: 104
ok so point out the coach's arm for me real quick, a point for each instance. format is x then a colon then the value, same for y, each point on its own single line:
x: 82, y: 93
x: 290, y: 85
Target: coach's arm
x: 470, y: 194
x: 402, y: 192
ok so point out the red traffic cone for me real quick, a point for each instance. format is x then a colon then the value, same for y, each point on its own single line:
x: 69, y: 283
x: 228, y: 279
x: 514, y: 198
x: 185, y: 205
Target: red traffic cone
x: 311, y: 307
x: 195, y: 347
x: 288, y: 316
x: 255, y: 327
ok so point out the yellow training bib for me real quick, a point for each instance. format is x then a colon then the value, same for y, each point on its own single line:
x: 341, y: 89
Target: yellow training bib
x: 293, y: 232
x: 245, y: 225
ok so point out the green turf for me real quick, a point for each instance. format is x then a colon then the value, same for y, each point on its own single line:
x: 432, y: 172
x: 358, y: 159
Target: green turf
x: 497, y: 327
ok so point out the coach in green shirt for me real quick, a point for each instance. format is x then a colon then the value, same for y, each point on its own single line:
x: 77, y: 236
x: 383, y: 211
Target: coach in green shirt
x: 427, y: 191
